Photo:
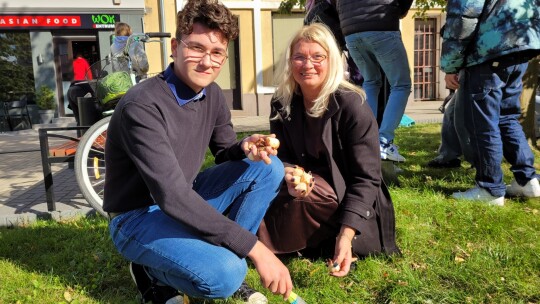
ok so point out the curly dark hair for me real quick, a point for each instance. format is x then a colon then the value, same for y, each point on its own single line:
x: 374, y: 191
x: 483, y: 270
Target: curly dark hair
x: 210, y: 13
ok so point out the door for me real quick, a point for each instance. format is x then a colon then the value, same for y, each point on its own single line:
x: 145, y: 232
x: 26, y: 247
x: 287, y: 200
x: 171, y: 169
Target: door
x: 65, y: 49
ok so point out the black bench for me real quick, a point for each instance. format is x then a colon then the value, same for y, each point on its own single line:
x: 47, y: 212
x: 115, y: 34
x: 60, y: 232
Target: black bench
x: 60, y: 153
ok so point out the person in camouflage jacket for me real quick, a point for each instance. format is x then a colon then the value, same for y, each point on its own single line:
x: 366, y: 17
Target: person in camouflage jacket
x: 477, y: 31
x: 486, y: 47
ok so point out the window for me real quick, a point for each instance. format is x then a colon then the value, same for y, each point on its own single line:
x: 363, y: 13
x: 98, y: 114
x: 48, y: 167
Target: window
x: 425, y: 68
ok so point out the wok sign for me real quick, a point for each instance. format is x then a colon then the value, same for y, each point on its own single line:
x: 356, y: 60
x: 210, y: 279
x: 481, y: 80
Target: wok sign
x: 86, y: 21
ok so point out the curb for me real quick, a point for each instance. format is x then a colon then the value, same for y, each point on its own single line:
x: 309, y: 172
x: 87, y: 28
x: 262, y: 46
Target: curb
x: 24, y: 219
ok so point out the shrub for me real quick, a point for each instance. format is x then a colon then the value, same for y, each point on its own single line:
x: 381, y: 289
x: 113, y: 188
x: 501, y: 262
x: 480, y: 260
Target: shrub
x: 45, y: 98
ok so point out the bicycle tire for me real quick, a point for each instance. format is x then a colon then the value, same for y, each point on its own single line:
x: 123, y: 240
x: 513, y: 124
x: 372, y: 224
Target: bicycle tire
x: 90, y: 164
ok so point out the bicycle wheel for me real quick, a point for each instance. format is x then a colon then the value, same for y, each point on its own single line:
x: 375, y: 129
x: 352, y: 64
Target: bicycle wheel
x: 90, y: 164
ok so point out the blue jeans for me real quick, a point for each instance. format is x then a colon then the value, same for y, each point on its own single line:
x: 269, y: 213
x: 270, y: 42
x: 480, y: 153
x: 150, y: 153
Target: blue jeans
x: 492, y: 110
x: 450, y: 147
x: 373, y: 51
x: 454, y: 135
x: 176, y: 255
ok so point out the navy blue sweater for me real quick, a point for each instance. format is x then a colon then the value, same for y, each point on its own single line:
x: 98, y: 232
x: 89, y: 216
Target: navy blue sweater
x: 155, y: 149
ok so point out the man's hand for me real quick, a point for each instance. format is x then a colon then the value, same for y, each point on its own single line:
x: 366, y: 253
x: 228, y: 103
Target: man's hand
x: 299, y: 182
x: 259, y: 147
x: 452, y: 81
x: 274, y: 275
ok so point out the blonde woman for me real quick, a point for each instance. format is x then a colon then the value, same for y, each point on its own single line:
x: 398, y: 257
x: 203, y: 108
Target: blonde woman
x: 326, y: 127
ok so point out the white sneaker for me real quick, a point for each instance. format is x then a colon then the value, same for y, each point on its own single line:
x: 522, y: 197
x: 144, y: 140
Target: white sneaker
x: 390, y: 151
x: 479, y: 194
x: 531, y: 189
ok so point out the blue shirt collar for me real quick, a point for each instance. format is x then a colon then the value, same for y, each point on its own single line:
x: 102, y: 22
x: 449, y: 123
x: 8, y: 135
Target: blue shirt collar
x: 180, y: 90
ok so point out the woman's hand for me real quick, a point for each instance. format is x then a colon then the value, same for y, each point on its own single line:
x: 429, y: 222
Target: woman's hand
x: 343, y: 255
x: 274, y: 274
x: 299, y: 182
x: 259, y: 147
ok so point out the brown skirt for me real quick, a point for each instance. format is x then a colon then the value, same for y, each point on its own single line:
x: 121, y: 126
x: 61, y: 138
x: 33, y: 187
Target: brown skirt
x: 292, y: 224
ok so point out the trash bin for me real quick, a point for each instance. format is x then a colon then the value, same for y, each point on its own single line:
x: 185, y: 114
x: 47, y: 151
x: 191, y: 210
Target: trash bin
x: 89, y: 111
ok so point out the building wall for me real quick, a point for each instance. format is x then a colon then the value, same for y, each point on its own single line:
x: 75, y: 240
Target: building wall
x: 42, y: 47
x: 45, y: 72
x: 263, y: 37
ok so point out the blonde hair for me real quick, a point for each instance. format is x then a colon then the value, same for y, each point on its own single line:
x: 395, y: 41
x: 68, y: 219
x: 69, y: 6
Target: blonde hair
x: 335, y: 79
x: 122, y: 29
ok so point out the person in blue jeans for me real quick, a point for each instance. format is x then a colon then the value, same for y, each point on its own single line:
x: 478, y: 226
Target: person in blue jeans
x: 450, y: 147
x: 371, y: 30
x: 497, y: 38
x: 454, y: 137
x: 186, y: 231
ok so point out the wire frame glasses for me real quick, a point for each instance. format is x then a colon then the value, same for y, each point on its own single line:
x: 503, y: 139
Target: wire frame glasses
x: 316, y: 59
x: 217, y: 57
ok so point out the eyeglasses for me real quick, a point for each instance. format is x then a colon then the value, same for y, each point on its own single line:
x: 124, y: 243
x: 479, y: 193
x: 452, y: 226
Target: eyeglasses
x: 315, y: 59
x: 217, y: 57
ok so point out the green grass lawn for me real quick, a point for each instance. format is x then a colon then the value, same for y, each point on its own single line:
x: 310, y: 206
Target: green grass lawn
x: 453, y: 251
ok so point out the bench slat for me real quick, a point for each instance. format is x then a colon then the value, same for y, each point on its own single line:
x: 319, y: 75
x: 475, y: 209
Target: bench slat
x: 68, y: 148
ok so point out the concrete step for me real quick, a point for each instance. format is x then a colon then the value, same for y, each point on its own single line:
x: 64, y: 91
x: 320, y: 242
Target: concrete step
x: 61, y: 120
x: 56, y: 124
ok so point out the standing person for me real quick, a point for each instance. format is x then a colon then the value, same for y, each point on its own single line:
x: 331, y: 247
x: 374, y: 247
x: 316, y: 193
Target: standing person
x: 324, y: 11
x: 136, y: 52
x: 182, y: 229
x: 81, y: 68
x: 498, y: 38
x: 79, y: 86
x: 455, y: 140
x: 371, y: 30
x: 450, y: 148
x: 325, y: 126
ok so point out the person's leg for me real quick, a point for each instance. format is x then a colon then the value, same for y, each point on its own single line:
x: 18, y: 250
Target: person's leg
x: 450, y: 147
x: 483, y: 88
x: 243, y: 188
x: 461, y: 115
x: 360, y: 50
x: 392, y: 57
x: 176, y: 256
x: 516, y: 150
x: 73, y: 92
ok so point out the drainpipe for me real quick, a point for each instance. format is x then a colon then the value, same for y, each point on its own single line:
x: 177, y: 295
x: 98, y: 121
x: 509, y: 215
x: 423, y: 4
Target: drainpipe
x: 163, y: 28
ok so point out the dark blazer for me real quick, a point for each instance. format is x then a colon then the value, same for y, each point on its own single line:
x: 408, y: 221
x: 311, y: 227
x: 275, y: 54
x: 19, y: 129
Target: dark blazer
x: 350, y: 135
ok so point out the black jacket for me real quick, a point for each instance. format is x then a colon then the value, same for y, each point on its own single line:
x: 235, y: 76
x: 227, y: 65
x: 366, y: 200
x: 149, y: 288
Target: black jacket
x: 371, y: 15
x: 351, y: 138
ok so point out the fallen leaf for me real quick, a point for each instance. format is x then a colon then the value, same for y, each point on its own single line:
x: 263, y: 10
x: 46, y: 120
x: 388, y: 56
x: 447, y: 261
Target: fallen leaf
x: 67, y: 296
x: 459, y: 259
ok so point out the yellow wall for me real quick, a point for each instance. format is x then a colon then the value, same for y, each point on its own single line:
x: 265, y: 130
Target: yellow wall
x: 152, y: 24
x: 267, y: 48
x: 407, y: 35
x: 274, y: 30
x: 247, y: 59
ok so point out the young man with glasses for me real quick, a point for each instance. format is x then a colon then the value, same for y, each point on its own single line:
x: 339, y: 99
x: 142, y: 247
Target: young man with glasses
x: 186, y: 231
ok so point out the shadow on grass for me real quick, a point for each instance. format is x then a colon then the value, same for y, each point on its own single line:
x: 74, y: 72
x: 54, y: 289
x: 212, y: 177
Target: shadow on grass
x: 70, y: 251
